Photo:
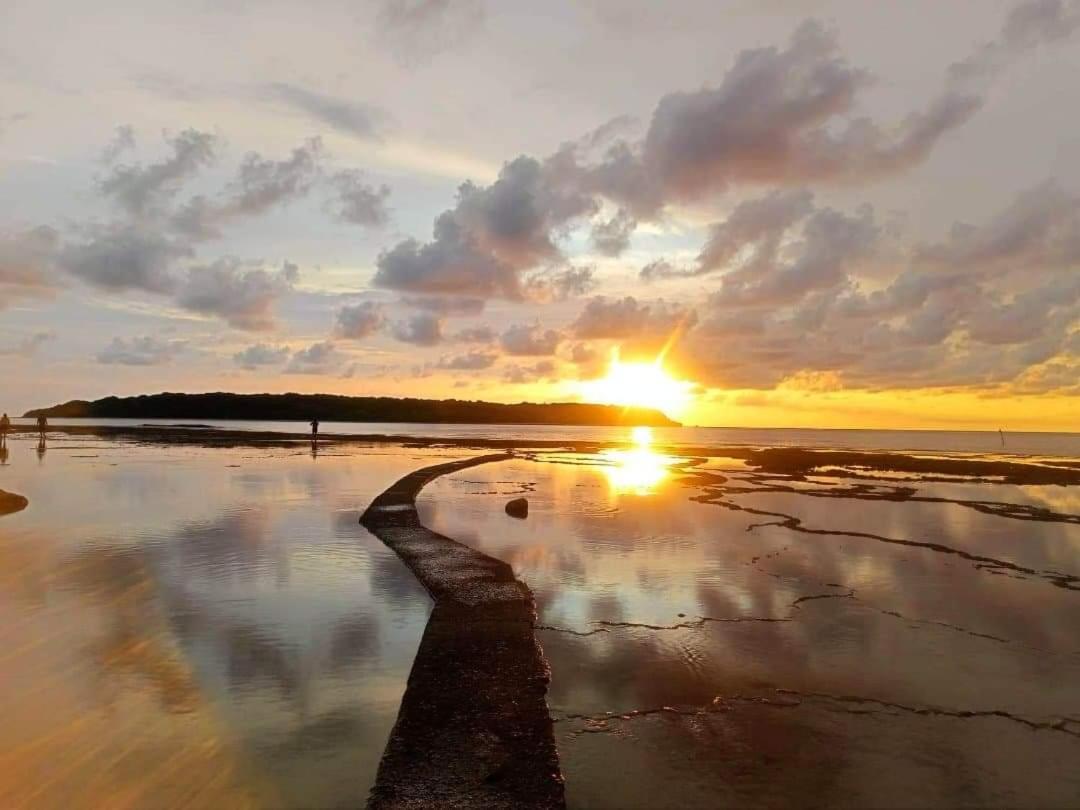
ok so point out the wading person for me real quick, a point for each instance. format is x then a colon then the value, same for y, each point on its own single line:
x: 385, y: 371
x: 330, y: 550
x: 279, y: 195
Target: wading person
x: 42, y: 426
x: 5, y: 427
x: 314, y: 429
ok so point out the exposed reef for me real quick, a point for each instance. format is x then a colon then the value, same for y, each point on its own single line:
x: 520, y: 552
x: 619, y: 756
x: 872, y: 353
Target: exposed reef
x: 10, y: 502
x: 473, y: 730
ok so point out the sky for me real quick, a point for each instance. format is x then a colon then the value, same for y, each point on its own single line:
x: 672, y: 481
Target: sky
x: 823, y: 213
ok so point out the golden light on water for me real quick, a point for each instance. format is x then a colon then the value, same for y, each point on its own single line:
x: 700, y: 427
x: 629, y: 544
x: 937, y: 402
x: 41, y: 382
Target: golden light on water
x: 639, y: 470
x: 639, y: 385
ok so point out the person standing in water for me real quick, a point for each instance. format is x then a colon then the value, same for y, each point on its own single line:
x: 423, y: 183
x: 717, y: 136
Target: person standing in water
x: 42, y: 426
x: 314, y: 429
x: 5, y: 427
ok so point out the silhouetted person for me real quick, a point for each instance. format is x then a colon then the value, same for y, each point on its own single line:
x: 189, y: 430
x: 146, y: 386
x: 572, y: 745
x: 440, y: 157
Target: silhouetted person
x: 5, y: 427
x: 42, y: 426
x: 314, y: 429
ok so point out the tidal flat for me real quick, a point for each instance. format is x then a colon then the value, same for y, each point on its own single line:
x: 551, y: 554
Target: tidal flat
x: 205, y: 622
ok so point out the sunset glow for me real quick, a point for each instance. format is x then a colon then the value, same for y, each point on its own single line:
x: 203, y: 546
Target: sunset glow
x: 639, y: 385
x: 639, y: 470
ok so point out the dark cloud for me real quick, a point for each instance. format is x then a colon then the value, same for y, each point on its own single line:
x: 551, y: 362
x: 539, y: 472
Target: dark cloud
x: 1029, y: 25
x: 560, y: 285
x: 260, y: 185
x: 470, y: 361
x: 475, y: 334
x: 779, y: 116
x: 241, y: 295
x: 421, y: 329
x: 415, y: 31
x: 832, y: 242
x: 358, y: 321
x: 345, y: 115
x: 627, y: 318
x: 493, y: 234
x: 518, y: 375
x: 987, y: 306
x: 318, y: 358
x: 530, y: 340
x: 261, y: 354
x: 356, y: 201
x: 1040, y: 227
x: 143, y: 191
x: 125, y: 257
x: 122, y: 141
x: 612, y: 237
x: 140, y: 351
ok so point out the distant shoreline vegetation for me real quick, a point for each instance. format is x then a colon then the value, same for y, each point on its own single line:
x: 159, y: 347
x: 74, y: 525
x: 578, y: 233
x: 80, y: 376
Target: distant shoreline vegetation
x: 336, y: 408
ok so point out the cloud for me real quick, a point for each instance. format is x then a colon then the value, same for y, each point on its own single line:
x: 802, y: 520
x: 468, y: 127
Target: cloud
x: 982, y: 308
x: 359, y: 321
x: 125, y: 257
x: 1039, y: 227
x: 779, y: 116
x: 29, y: 345
x: 142, y: 191
x: 530, y: 340
x: 415, y: 31
x: 139, y: 351
x: 493, y: 234
x: 445, y: 305
x: 260, y: 185
x: 318, y: 358
x: 1028, y: 26
x: 241, y: 295
x: 612, y: 237
x: 623, y: 318
x: 470, y: 361
x: 26, y: 259
x: 347, y: 116
x: 421, y: 329
x: 123, y: 140
x: 560, y: 285
x: 832, y: 242
x: 519, y: 375
x: 356, y: 201
x: 475, y: 334
x: 261, y: 354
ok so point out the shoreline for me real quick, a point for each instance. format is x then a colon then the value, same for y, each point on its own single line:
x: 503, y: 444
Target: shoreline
x: 781, y: 460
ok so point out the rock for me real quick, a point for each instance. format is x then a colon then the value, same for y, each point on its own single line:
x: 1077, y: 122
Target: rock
x: 518, y: 508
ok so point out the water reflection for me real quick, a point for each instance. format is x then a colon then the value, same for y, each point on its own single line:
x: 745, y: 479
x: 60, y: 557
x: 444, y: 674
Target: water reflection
x: 686, y: 600
x: 639, y: 470
x: 227, y: 602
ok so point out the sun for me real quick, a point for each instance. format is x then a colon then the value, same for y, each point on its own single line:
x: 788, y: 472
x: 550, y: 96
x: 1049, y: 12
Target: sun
x: 639, y: 385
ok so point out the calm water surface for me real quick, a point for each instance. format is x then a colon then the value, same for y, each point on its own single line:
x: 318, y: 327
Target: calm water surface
x: 213, y: 627
x: 937, y: 441
x: 191, y: 625
x: 702, y: 657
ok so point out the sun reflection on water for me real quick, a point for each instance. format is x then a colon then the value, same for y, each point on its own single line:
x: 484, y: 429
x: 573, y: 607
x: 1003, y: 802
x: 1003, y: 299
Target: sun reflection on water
x: 639, y: 470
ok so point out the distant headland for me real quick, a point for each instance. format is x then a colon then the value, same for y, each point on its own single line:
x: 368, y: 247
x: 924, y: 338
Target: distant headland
x: 335, y: 408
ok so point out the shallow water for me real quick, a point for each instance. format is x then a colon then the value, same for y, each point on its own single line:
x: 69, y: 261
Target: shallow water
x: 186, y: 624
x: 699, y: 659
x: 936, y: 441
